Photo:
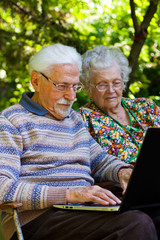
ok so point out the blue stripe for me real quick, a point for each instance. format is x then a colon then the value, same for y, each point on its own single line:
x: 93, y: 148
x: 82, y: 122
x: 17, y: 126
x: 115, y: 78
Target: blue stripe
x: 8, y: 113
x: 51, y: 127
x: 53, y: 148
x: 11, y: 191
x: 9, y: 129
x: 36, y: 197
x: 52, y: 171
x: 74, y: 183
x: 10, y: 170
x: 10, y: 150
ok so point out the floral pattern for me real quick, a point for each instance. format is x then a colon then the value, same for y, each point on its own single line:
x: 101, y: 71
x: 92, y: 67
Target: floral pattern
x: 119, y: 140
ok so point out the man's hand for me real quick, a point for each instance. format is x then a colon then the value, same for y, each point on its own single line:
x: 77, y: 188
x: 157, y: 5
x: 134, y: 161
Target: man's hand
x: 94, y: 194
x: 124, y: 176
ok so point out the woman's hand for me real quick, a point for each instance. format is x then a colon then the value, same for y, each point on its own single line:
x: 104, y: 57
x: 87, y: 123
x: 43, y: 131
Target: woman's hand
x: 124, y: 176
x: 94, y: 194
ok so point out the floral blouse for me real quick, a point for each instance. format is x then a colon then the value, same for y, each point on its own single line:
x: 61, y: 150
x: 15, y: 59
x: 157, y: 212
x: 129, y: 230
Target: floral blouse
x: 123, y: 141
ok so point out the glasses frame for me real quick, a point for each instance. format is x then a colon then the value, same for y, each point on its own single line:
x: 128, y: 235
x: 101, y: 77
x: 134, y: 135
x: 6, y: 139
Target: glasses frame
x: 64, y: 85
x: 107, y: 86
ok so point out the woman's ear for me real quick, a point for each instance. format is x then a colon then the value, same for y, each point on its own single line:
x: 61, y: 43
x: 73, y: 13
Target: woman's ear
x: 35, y: 80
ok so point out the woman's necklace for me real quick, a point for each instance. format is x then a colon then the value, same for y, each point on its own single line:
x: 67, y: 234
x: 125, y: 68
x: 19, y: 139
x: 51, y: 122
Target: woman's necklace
x: 129, y: 112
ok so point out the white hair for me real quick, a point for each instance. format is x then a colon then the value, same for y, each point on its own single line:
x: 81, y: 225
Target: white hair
x: 101, y: 57
x: 54, y: 54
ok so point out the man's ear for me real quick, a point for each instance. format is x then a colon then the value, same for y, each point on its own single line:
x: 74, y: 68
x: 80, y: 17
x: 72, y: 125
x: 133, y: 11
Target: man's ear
x: 35, y: 80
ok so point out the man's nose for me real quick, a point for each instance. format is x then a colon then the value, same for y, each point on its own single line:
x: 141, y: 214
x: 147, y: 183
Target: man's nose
x: 70, y: 94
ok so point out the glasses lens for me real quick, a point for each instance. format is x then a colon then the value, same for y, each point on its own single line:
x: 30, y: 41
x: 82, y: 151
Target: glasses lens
x: 117, y: 84
x: 61, y: 87
x: 102, y: 87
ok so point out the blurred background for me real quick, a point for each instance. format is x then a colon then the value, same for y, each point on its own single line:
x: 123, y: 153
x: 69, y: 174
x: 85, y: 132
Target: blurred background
x: 131, y: 25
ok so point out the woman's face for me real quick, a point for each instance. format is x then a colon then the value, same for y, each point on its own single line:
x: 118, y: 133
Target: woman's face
x: 111, y: 79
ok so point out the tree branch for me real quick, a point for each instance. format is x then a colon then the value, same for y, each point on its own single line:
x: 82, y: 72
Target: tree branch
x: 140, y: 37
x: 19, y: 8
x: 133, y: 15
x: 150, y: 12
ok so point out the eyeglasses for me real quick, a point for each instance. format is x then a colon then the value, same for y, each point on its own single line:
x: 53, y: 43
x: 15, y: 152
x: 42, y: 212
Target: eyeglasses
x: 64, y: 87
x: 101, y: 87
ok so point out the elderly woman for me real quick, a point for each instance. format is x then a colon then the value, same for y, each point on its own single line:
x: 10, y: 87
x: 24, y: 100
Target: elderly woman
x: 118, y: 124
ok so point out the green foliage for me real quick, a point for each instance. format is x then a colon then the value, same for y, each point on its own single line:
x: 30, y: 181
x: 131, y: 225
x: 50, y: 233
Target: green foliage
x: 82, y: 98
x: 27, y: 26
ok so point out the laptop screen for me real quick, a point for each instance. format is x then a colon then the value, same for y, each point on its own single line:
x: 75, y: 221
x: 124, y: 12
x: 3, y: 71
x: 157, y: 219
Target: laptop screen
x: 143, y: 190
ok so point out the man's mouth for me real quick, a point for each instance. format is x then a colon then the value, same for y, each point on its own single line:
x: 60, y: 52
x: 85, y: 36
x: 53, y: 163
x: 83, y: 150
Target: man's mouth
x: 65, y: 105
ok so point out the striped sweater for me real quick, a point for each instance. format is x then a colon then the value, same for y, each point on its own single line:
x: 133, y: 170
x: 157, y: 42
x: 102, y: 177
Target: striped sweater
x: 41, y: 156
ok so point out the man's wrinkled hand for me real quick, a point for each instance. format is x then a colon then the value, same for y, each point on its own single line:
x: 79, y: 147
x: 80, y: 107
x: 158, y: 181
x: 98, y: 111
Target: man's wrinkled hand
x: 94, y: 194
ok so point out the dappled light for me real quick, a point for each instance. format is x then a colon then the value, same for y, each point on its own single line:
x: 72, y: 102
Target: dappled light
x: 27, y: 26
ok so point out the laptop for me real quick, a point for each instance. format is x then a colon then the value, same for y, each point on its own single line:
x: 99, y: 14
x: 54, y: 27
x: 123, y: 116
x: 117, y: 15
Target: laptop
x: 143, y: 190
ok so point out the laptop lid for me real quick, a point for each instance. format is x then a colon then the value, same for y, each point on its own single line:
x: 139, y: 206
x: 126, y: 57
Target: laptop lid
x: 143, y: 187
x: 143, y: 190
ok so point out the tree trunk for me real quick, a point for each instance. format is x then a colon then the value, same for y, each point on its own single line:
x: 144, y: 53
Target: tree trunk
x: 139, y: 37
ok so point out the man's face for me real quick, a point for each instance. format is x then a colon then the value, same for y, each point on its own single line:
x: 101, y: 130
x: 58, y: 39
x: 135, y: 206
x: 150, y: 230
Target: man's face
x: 56, y: 102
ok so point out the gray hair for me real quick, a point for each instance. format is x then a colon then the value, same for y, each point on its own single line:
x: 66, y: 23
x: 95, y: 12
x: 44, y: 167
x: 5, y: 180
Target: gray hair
x: 54, y: 54
x: 103, y: 57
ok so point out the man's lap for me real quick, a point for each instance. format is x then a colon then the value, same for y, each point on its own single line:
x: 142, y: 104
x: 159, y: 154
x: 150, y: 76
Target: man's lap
x: 70, y: 225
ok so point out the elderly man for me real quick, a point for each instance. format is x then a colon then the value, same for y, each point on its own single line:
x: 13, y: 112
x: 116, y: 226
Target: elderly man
x: 48, y: 157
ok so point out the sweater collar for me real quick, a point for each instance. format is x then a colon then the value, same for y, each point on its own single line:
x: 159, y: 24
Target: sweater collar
x: 30, y: 105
